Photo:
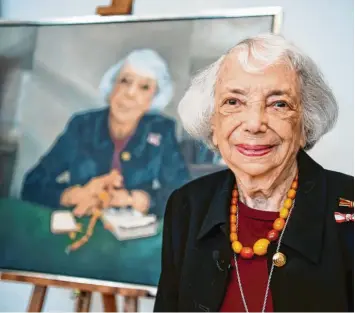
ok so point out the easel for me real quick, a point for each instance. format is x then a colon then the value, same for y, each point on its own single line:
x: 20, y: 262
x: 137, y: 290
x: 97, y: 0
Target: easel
x: 117, y: 7
x: 85, y: 289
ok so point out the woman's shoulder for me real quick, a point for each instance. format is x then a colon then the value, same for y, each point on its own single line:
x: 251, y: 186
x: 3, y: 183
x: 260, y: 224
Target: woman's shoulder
x: 340, y: 190
x: 88, y: 116
x: 341, y: 183
x: 206, y: 182
x: 196, y: 195
x: 159, y: 119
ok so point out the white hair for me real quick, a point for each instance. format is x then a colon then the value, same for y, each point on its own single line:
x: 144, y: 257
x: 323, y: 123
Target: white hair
x: 144, y: 61
x: 320, y: 109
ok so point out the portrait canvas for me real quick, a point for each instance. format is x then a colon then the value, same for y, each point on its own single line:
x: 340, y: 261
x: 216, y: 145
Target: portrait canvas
x: 91, y: 144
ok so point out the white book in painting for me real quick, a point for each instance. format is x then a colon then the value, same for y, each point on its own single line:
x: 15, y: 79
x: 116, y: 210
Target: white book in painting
x: 63, y: 221
x: 128, y: 224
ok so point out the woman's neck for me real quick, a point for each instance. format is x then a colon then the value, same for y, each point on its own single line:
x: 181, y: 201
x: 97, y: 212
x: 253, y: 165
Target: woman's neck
x: 268, y: 192
x: 121, y: 130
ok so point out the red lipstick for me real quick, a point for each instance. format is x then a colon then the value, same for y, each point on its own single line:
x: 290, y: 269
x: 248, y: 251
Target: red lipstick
x: 254, y: 150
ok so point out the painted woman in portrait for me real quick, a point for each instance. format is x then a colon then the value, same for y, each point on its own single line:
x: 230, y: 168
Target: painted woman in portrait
x: 128, y: 144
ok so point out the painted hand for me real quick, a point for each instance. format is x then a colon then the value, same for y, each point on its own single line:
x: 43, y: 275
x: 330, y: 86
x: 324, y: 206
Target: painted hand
x: 85, y: 206
x: 140, y: 201
x: 103, y: 183
x: 120, y: 198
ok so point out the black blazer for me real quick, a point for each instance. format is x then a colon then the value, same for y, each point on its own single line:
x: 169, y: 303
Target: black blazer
x: 319, y: 272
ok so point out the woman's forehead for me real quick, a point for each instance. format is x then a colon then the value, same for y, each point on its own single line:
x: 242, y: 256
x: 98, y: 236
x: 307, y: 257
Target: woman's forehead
x: 138, y: 72
x: 232, y: 75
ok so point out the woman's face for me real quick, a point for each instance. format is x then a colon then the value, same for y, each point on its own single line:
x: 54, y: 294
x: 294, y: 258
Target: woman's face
x: 132, y: 95
x: 258, y: 117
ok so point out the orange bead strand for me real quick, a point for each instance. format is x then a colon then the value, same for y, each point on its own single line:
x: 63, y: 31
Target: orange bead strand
x: 260, y: 246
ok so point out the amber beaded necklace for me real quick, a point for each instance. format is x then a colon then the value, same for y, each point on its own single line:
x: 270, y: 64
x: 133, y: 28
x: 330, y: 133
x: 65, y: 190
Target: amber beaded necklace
x: 260, y: 246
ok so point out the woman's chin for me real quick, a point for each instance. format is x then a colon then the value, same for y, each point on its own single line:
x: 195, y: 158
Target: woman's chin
x: 252, y: 168
x: 121, y: 116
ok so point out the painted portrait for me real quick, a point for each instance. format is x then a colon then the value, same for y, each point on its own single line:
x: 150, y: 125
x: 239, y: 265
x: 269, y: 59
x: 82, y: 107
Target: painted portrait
x: 91, y: 145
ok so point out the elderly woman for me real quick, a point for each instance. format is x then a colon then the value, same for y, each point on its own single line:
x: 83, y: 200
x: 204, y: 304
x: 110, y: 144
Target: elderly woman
x: 273, y: 232
x: 127, y: 145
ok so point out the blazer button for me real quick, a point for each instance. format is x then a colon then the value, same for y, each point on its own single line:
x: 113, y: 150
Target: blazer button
x: 126, y: 156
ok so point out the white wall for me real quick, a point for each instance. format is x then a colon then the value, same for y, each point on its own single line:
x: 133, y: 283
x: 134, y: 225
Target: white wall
x: 322, y: 28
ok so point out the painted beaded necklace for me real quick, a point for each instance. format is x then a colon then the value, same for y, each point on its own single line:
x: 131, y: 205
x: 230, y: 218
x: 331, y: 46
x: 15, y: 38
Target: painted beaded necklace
x: 260, y: 246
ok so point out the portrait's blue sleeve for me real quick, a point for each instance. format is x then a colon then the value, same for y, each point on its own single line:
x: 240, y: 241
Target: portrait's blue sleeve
x: 173, y: 171
x: 40, y: 185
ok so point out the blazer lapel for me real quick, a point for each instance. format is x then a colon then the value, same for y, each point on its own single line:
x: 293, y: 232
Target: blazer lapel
x: 138, y: 141
x: 293, y: 285
x: 210, y: 276
x: 102, y: 145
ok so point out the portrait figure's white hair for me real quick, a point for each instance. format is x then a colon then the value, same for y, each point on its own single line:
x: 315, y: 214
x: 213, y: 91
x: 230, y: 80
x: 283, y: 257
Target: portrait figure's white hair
x: 319, y: 106
x: 149, y: 63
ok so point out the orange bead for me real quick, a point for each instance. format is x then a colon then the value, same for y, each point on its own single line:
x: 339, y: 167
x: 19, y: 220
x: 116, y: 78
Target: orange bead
x: 237, y: 247
x: 233, y: 236
x: 260, y: 246
x: 247, y: 253
x: 235, y: 193
x: 288, y: 203
x: 284, y: 213
x: 279, y: 224
x: 234, y: 201
x: 291, y: 194
x: 233, y: 228
x: 233, y: 209
x: 233, y: 219
x: 294, y: 185
x: 272, y: 235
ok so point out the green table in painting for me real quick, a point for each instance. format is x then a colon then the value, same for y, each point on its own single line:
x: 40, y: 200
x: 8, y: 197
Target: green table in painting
x: 27, y: 244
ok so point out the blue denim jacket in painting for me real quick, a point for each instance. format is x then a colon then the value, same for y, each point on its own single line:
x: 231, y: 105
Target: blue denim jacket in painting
x: 84, y: 150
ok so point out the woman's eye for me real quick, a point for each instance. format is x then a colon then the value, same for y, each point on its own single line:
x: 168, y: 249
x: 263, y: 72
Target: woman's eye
x: 232, y: 102
x: 280, y: 104
x: 145, y: 87
x: 124, y: 80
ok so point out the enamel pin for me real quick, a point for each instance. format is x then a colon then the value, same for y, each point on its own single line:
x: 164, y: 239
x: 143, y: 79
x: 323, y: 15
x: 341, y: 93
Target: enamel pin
x: 346, y: 203
x: 154, y: 139
x: 344, y: 217
x: 63, y: 178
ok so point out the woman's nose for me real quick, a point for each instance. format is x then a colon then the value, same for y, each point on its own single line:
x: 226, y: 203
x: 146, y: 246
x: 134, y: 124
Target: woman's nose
x: 131, y: 90
x: 255, y: 119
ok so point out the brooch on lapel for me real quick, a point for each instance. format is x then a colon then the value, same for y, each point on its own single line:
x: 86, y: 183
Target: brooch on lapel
x: 344, y: 217
x: 156, y: 184
x: 125, y: 156
x: 154, y: 139
x: 63, y: 178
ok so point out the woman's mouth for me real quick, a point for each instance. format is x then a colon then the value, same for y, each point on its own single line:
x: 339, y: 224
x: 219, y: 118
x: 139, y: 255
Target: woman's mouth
x: 254, y: 150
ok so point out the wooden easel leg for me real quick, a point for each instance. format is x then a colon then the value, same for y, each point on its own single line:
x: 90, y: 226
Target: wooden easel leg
x: 37, y: 299
x: 83, y: 301
x: 130, y: 304
x: 109, y: 301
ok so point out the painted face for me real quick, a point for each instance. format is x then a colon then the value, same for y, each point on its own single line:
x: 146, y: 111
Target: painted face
x: 257, y: 120
x: 132, y: 95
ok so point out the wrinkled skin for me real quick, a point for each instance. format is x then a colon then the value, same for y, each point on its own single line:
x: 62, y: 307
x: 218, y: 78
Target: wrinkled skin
x: 257, y: 127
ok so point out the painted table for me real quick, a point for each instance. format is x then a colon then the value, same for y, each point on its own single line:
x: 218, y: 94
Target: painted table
x: 27, y: 244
